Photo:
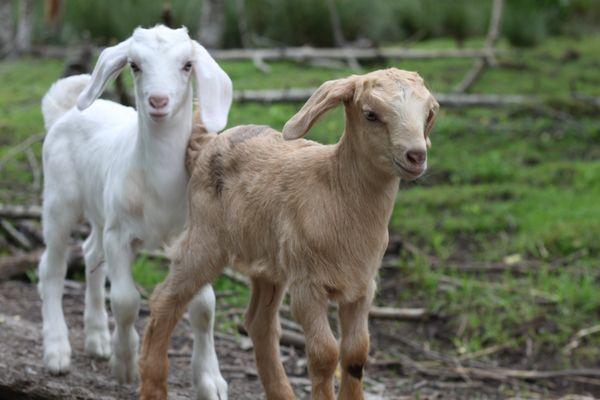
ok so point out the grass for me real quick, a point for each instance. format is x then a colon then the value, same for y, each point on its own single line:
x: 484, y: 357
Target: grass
x: 504, y: 185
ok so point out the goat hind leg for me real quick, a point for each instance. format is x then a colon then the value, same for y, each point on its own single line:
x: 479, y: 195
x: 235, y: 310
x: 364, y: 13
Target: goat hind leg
x: 262, y: 323
x: 59, y: 218
x: 125, y: 304
x: 208, y: 382
x: 197, y: 260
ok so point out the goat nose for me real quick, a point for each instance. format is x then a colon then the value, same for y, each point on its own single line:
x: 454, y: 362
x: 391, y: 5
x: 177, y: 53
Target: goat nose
x: 417, y: 157
x: 158, y: 102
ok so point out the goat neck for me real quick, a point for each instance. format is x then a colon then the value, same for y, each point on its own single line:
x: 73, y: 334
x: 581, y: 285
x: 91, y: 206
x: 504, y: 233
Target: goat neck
x: 161, y: 146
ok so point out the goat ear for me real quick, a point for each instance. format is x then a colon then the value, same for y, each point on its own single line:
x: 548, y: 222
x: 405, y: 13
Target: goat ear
x: 213, y: 88
x: 431, y: 122
x: 111, y: 61
x: 326, y: 97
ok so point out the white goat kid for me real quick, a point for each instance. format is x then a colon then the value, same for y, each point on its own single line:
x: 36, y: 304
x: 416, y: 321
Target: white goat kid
x: 124, y: 172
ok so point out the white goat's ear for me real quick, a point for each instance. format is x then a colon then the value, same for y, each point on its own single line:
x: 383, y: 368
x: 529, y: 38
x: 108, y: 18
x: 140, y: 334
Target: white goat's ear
x: 326, y: 97
x: 213, y: 88
x: 111, y: 61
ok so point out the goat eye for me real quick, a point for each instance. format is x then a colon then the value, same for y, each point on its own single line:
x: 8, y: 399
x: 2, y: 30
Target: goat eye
x: 187, y: 66
x: 371, y: 116
x: 134, y: 67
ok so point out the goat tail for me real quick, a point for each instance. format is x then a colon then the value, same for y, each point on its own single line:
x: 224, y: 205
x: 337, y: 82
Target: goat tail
x: 61, y: 97
x: 197, y: 138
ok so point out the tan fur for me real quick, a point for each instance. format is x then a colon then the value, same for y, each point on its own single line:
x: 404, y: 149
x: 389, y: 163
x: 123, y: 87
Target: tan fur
x: 296, y: 214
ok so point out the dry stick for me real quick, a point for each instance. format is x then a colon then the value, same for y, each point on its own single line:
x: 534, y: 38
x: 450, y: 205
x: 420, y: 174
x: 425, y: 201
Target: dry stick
x: 19, y: 148
x: 36, y: 171
x: 488, y: 58
x: 15, y: 235
x: 575, y: 342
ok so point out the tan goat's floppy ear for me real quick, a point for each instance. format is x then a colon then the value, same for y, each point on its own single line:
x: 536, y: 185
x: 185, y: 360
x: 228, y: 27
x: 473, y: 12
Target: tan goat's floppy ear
x: 213, y: 88
x: 326, y: 97
x: 431, y: 122
x: 111, y: 61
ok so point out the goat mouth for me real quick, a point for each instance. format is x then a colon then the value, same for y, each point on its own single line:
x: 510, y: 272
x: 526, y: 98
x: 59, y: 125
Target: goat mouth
x: 158, y: 115
x: 409, y: 173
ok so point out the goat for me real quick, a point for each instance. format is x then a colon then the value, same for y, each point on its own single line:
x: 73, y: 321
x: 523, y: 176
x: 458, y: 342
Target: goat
x: 124, y: 172
x: 301, y: 216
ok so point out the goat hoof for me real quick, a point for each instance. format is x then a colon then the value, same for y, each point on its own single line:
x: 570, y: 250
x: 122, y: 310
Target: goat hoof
x: 124, y: 370
x: 211, y: 387
x: 57, y: 357
x: 97, y: 344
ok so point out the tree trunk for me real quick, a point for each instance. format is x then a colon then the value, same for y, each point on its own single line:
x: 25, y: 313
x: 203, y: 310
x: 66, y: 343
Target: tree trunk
x: 6, y: 27
x: 23, y: 39
x: 212, y: 22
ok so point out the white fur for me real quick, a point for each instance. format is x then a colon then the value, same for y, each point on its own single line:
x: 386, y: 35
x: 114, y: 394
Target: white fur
x: 124, y: 172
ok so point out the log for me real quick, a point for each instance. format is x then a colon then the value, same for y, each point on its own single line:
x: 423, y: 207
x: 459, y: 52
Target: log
x: 18, y: 264
x: 304, y: 53
x: 358, y: 53
x: 9, y: 211
x: 299, y: 95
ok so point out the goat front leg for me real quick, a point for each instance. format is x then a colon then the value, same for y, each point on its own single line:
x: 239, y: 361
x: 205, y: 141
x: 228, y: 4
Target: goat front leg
x: 196, y: 261
x: 354, y: 324
x: 125, y: 304
x: 262, y: 323
x: 309, y: 308
x: 208, y: 382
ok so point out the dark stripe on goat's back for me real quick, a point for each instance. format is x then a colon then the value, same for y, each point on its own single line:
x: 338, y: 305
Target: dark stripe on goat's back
x: 217, y: 172
x: 246, y: 132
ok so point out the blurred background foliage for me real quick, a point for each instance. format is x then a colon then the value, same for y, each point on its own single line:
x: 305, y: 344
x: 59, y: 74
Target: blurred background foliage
x: 306, y: 22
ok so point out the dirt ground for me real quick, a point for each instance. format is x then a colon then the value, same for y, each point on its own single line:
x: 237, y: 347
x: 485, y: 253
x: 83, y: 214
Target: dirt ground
x: 22, y: 375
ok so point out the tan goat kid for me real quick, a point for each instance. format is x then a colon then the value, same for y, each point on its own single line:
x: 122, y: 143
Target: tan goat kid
x: 297, y: 215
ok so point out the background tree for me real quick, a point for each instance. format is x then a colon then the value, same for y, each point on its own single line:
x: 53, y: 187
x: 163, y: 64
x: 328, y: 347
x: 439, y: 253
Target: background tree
x: 212, y: 23
x: 23, y: 39
x: 6, y: 27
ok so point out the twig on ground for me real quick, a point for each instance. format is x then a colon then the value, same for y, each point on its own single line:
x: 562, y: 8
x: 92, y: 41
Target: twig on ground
x: 576, y: 341
x: 19, y: 148
x: 36, y: 171
x: 14, y: 234
x: 488, y: 59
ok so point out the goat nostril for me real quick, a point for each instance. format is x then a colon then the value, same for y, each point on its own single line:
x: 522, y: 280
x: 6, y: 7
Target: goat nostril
x: 416, y: 157
x: 158, y: 102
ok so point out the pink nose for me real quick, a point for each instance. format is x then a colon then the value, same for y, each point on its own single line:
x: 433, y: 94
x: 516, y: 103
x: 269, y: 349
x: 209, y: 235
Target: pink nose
x: 157, y: 102
x: 416, y: 157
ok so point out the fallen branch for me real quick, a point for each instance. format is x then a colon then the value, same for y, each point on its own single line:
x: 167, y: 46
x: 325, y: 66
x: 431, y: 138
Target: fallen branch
x: 576, y: 341
x: 401, y: 314
x: 358, y: 53
x: 19, y: 148
x: 488, y: 59
x: 8, y: 211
